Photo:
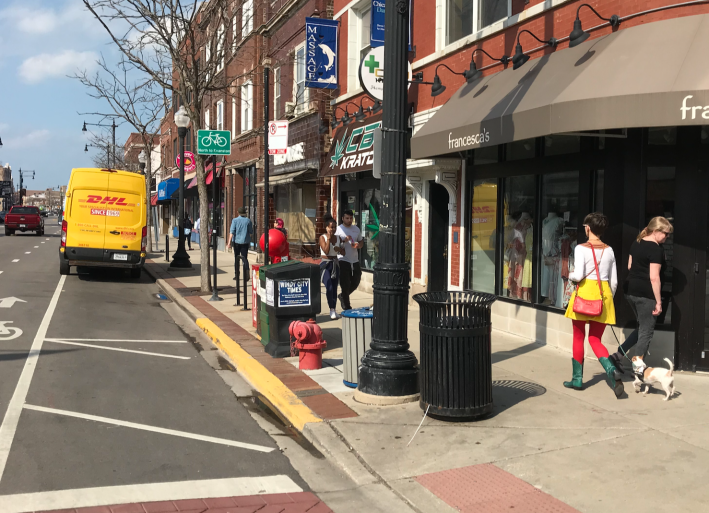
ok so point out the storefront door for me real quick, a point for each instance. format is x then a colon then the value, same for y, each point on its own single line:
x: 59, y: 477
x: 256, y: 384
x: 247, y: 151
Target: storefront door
x: 438, y: 238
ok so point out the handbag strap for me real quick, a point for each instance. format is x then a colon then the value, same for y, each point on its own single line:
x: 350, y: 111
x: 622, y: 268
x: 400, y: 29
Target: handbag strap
x: 598, y: 273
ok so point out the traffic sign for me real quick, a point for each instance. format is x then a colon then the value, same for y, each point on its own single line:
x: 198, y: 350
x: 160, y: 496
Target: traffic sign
x: 213, y: 142
x: 278, y: 137
x: 190, y: 161
x: 5, y: 188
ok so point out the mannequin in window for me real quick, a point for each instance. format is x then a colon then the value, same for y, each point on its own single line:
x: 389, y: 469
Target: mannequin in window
x: 520, y: 259
x: 552, y: 229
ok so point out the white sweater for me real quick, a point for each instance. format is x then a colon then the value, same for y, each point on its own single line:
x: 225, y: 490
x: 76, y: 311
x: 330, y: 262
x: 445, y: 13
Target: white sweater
x: 583, y: 266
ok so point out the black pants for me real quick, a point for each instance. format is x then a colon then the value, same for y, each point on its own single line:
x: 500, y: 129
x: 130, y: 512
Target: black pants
x: 642, y: 308
x: 241, y: 251
x: 350, y: 274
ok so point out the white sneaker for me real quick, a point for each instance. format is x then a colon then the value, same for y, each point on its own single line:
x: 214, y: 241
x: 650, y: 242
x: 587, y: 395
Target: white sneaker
x: 333, y: 314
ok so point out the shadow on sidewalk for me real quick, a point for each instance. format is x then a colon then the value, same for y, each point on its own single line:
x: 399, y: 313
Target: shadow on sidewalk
x: 501, y: 356
x: 508, y: 393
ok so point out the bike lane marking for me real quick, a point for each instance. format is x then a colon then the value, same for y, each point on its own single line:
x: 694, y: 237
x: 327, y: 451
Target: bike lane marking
x: 59, y: 341
x: 14, y: 408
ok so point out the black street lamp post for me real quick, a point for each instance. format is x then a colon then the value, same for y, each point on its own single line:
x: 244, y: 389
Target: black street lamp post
x: 112, y: 153
x: 181, y: 259
x: 389, y: 370
x: 24, y: 173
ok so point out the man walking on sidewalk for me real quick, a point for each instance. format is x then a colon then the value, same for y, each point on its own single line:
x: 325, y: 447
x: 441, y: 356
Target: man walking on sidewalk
x: 350, y: 270
x: 240, y: 239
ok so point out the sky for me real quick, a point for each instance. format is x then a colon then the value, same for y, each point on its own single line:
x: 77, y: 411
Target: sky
x: 41, y: 42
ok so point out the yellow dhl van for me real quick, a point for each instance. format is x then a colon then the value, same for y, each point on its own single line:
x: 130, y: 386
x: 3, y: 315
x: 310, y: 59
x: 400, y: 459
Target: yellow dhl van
x: 104, y: 221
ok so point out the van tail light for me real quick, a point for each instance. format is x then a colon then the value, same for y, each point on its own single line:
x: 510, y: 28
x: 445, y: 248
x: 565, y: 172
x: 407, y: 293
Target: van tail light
x: 64, y: 226
x: 144, y: 242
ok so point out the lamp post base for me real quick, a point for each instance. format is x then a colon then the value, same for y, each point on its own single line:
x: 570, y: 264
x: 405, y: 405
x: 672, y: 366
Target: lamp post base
x: 389, y: 376
x: 181, y: 259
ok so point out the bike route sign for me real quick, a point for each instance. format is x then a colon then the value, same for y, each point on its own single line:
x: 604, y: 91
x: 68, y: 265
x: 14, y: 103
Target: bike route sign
x: 213, y: 142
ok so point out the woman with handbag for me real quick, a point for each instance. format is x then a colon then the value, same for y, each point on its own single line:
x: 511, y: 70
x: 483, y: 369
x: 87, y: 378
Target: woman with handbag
x: 592, y: 302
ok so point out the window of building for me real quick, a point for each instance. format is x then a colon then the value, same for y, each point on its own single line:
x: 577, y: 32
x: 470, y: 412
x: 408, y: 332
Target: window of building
x: 220, y: 115
x: 483, y: 236
x: 189, y: 140
x: 359, y: 37
x: 235, y: 32
x: 561, y: 144
x: 518, y: 236
x: 488, y: 155
x: 251, y: 198
x: 464, y: 17
x: 233, y: 117
x: 247, y: 113
x: 559, y: 225
x: 174, y: 149
x: 662, y: 136
x: 520, y: 149
x: 247, y: 17
x: 206, y: 119
x: 365, y: 31
x: 300, y: 92
x: 598, y: 191
x: 276, y: 93
x: 220, y: 48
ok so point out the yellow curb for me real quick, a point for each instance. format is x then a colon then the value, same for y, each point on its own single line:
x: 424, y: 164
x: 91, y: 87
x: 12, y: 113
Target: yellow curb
x: 265, y: 382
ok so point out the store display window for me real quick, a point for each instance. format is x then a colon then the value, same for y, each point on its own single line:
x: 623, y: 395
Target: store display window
x: 518, y: 236
x: 483, y: 232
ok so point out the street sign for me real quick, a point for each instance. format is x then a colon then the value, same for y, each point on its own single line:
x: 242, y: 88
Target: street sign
x: 5, y: 188
x: 371, y: 73
x: 213, y: 142
x: 278, y: 137
x: 190, y: 161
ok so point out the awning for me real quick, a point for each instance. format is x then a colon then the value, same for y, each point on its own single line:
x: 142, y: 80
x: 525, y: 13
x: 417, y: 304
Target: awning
x: 166, y: 188
x: 289, y: 178
x: 352, y: 148
x: 645, y: 76
x: 153, y: 200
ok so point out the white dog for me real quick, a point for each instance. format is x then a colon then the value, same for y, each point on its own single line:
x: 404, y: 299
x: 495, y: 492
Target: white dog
x: 653, y: 376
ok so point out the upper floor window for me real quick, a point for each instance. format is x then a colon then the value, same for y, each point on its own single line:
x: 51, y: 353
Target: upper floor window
x: 464, y: 17
x: 359, y: 37
x: 220, y: 48
x: 247, y: 112
x: 206, y: 119
x: 220, y: 115
x: 276, y: 93
x: 233, y: 117
x: 300, y: 92
x: 247, y: 17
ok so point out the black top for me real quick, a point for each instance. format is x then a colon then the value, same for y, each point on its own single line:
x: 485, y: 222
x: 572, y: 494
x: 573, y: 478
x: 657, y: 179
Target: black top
x: 644, y: 253
x: 188, y: 224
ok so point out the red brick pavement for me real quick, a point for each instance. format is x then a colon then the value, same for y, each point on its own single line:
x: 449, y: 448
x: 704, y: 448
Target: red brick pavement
x: 303, y: 502
x: 489, y: 489
x: 319, y: 400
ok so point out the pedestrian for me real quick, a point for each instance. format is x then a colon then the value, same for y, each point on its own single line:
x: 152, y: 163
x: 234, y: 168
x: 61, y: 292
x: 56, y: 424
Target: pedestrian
x: 197, y: 225
x: 350, y: 270
x: 279, y: 225
x: 646, y: 264
x: 592, y: 302
x: 188, y: 231
x: 240, y: 239
x: 330, y: 249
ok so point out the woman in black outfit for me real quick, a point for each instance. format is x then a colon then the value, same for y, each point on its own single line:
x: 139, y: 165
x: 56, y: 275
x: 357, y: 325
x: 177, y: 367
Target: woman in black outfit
x: 188, y: 231
x: 646, y: 262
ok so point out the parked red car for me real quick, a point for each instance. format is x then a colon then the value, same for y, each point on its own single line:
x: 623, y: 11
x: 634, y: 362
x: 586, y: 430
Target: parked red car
x: 24, y: 219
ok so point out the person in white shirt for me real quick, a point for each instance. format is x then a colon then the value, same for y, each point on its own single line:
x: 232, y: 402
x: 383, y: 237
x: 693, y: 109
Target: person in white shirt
x: 350, y: 270
x: 196, y: 229
x: 597, y: 278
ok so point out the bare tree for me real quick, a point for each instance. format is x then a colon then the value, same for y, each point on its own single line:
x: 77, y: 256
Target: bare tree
x: 106, y: 154
x: 135, y: 98
x: 181, y: 46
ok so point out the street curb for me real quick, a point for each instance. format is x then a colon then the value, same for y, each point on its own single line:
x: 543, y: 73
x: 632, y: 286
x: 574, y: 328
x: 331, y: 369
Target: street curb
x: 268, y: 385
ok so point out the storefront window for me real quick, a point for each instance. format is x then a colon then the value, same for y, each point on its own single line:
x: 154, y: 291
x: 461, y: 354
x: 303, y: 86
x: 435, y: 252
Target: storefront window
x: 661, y: 202
x: 488, y: 155
x: 662, y: 136
x: 560, y: 203
x: 598, y: 191
x: 518, y: 236
x: 371, y: 204
x: 705, y: 135
x: 561, y: 144
x: 520, y: 150
x: 482, y: 236
x: 250, y: 197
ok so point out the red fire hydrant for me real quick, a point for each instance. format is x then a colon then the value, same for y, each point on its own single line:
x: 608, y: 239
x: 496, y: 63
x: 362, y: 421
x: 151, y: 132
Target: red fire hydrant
x: 309, y: 342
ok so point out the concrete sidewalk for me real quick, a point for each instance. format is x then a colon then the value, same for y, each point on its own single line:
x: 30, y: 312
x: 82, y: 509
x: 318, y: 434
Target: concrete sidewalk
x: 544, y: 448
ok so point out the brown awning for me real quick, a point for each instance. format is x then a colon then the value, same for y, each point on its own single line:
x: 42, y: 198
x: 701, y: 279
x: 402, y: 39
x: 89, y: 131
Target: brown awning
x: 352, y: 148
x: 644, y: 76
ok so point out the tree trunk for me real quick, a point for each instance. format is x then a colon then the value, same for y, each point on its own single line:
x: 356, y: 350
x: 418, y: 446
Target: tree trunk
x: 149, y: 210
x: 204, y: 228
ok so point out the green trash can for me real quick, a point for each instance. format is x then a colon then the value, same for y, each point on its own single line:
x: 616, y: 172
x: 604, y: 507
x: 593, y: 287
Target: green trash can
x: 264, y: 318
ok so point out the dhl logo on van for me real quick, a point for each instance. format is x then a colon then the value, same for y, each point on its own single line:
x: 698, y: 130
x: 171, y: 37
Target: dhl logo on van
x: 109, y: 200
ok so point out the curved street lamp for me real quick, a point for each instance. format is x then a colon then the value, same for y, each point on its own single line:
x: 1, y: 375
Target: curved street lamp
x: 181, y: 259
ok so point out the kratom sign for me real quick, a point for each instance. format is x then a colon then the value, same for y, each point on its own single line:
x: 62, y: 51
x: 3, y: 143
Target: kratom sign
x: 352, y: 148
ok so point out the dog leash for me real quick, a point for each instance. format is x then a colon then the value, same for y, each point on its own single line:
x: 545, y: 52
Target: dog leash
x: 620, y: 346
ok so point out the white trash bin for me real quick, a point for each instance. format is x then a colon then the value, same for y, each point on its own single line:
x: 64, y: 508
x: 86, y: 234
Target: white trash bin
x: 356, y: 338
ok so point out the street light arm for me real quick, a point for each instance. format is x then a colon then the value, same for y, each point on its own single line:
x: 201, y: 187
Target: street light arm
x: 614, y: 20
x: 551, y: 42
x: 448, y: 68
x: 502, y: 59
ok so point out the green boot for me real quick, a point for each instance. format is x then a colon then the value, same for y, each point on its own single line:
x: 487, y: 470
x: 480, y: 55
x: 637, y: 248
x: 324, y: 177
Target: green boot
x: 577, y: 376
x: 612, y: 377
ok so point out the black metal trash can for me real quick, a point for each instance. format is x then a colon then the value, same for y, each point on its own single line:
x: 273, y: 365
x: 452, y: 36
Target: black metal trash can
x: 455, y: 369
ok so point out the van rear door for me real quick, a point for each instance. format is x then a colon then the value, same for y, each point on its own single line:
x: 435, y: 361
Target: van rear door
x: 125, y: 212
x: 86, y: 220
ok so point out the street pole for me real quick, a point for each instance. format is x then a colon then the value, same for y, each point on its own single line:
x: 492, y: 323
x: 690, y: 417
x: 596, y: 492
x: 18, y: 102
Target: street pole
x: 266, y: 222
x: 389, y: 369
x: 113, y: 146
x: 181, y: 259
x: 215, y: 292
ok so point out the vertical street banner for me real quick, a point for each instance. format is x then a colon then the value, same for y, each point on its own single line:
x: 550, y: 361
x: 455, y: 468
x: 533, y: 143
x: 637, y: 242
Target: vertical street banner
x: 321, y: 53
x: 377, y: 30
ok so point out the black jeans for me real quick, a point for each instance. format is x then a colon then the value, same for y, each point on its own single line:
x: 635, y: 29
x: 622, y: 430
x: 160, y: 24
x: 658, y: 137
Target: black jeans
x: 241, y: 251
x: 350, y: 274
x: 642, y: 308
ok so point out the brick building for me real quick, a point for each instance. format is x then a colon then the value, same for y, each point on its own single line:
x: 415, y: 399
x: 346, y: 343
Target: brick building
x: 506, y: 164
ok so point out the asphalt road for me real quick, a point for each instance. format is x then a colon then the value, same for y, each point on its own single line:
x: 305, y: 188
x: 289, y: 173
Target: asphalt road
x: 141, y: 407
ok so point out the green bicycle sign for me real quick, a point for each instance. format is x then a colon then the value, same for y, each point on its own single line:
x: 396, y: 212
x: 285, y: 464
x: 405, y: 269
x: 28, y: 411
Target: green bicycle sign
x: 214, y: 142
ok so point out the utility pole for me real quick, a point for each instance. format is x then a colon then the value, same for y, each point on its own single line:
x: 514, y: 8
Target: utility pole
x: 22, y: 175
x: 266, y: 225
x: 389, y: 369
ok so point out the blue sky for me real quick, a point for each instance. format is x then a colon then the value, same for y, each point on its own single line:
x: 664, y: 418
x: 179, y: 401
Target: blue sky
x: 42, y: 41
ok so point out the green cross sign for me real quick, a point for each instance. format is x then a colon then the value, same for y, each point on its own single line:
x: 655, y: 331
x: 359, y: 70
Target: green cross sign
x: 372, y: 64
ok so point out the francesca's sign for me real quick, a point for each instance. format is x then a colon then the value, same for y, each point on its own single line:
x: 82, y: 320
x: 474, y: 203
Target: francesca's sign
x: 352, y: 147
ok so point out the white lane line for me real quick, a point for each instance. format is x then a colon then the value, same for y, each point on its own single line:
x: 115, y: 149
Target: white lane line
x: 38, y: 246
x: 152, y: 492
x: 119, y: 349
x: 155, y: 429
x: 48, y: 239
x: 27, y: 252
x: 117, y: 340
x: 14, y: 408
x: 16, y: 260
x: 45, y: 243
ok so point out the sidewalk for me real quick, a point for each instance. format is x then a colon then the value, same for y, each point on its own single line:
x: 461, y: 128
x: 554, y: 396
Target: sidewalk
x: 544, y: 448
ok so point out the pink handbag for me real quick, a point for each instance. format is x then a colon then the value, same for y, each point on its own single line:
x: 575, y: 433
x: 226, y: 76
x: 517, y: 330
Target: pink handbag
x: 590, y: 307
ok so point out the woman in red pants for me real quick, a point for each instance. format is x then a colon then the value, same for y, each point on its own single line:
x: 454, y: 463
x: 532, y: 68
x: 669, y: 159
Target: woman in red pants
x: 597, y: 278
